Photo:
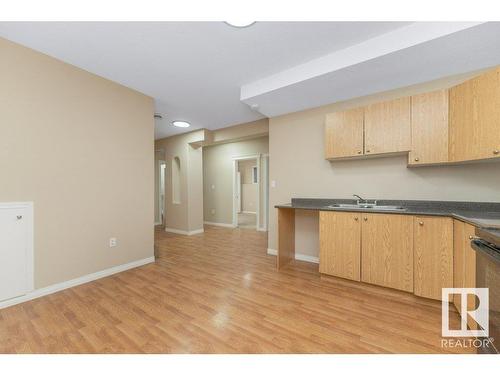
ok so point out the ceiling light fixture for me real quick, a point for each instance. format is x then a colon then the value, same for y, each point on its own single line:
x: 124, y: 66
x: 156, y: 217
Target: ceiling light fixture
x: 181, y: 124
x: 240, y: 24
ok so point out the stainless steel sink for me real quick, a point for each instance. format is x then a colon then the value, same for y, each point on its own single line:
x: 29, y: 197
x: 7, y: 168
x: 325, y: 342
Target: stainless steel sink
x: 363, y: 207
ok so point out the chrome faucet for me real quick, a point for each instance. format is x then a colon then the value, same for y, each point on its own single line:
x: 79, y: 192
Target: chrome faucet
x: 359, y: 198
x: 364, y: 201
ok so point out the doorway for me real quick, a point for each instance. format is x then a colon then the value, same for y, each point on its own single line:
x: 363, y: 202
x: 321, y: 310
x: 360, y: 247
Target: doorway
x: 162, y: 167
x: 249, y: 192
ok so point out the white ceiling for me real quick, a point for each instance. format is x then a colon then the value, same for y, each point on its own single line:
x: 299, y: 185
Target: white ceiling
x: 194, y: 70
x: 209, y: 73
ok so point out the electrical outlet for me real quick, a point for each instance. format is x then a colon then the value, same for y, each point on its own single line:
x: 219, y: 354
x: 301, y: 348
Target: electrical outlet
x: 112, y: 242
x: 273, y: 183
x: 212, y: 211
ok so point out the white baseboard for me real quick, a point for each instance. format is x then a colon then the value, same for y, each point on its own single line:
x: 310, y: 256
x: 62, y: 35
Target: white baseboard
x: 272, y: 252
x: 306, y: 258
x: 37, y: 293
x: 262, y: 229
x: 248, y: 212
x: 157, y: 222
x: 298, y: 256
x: 225, y: 225
x: 184, y: 232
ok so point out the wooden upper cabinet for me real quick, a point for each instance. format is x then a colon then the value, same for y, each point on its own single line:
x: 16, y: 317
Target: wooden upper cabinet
x: 340, y: 244
x: 344, y: 133
x: 429, y: 128
x: 474, y: 127
x: 387, y: 250
x: 387, y: 127
x: 433, y: 256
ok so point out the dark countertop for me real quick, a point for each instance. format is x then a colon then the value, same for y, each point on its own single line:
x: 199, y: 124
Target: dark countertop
x: 479, y: 214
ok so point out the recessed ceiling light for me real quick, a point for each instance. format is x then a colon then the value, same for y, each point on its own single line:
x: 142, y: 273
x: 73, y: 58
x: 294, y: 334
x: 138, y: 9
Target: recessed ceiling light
x: 181, y: 124
x: 240, y: 23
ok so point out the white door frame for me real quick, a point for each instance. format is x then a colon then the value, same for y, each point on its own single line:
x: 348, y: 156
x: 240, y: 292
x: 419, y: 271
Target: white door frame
x: 238, y: 191
x: 265, y: 190
x: 235, y: 196
x: 160, y: 162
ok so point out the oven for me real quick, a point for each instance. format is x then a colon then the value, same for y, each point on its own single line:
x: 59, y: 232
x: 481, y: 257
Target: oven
x: 487, y: 247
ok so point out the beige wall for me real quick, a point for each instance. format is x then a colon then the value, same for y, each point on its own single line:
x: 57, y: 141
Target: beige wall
x: 248, y: 188
x: 188, y: 214
x: 298, y: 166
x: 218, y: 172
x: 259, y: 128
x: 245, y: 167
x: 249, y: 197
x: 81, y: 148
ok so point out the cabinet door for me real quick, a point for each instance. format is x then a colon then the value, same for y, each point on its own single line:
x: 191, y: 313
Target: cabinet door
x: 470, y: 271
x: 464, y: 264
x: 344, y: 133
x: 433, y: 256
x: 475, y: 118
x: 14, y: 253
x: 429, y: 128
x: 387, y: 250
x: 340, y: 244
x: 458, y: 260
x: 486, y: 91
x: 387, y: 127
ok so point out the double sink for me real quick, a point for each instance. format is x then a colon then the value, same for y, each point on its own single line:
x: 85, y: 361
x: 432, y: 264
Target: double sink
x: 367, y: 206
x: 363, y: 204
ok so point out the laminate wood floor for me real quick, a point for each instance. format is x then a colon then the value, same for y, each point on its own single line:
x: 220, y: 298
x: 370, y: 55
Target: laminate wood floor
x: 219, y: 292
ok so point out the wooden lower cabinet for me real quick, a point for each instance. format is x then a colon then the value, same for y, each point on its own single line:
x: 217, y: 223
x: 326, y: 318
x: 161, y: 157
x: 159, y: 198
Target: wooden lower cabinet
x: 387, y: 250
x: 419, y: 254
x: 340, y: 244
x: 464, y: 264
x: 432, y: 256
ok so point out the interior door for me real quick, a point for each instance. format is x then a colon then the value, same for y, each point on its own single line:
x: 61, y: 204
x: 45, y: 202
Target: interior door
x: 13, y: 253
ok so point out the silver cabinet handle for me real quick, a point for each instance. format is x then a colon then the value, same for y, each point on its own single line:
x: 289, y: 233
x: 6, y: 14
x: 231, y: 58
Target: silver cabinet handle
x: 496, y: 152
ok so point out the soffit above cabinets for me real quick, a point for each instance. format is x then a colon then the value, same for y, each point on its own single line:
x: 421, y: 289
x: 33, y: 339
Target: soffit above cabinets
x: 410, y: 55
